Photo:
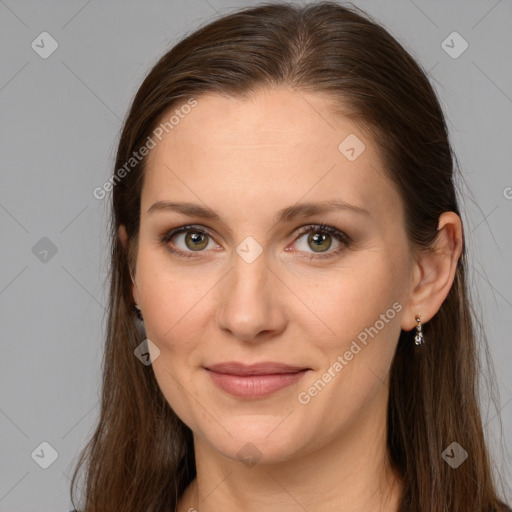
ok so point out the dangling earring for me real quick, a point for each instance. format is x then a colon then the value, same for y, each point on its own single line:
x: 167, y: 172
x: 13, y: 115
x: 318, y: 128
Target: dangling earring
x: 139, y: 314
x: 418, y: 338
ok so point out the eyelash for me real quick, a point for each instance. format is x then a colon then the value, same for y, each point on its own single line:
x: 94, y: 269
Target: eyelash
x: 343, y: 238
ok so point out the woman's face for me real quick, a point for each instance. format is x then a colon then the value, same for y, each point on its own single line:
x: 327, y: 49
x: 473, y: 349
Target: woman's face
x: 256, y: 285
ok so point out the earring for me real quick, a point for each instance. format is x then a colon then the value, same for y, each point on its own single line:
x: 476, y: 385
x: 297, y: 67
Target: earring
x: 139, y: 314
x: 418, y: 338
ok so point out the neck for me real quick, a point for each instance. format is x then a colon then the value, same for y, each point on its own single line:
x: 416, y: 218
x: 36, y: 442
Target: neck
x: 351, y: 473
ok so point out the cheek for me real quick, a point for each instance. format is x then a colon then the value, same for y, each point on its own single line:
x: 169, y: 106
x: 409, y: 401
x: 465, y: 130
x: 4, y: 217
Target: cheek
x: 360, y: 310
x: 173, y: 299
x: 173, y: 323
x: 363, y: 316
x: 353, y: 298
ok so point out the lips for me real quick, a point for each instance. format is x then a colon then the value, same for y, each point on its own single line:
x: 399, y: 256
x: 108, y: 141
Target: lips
x: 255, y: 380
x: 265, y: 368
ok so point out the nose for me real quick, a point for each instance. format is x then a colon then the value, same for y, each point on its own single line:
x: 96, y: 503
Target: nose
x: 251, y: 307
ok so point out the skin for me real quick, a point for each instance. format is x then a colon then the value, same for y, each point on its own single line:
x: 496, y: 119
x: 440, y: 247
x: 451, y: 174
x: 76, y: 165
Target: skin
x: 246, y: 159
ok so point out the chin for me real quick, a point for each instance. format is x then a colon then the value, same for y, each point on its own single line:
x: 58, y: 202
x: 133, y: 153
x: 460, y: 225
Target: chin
x: 256, y: 439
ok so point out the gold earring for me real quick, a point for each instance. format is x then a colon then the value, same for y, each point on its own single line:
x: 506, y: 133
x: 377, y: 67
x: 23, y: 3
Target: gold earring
x: 418, y: 338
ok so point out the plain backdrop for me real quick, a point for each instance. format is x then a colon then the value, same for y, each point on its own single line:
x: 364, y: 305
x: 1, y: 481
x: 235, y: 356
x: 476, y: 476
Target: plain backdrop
x: 61, y: 114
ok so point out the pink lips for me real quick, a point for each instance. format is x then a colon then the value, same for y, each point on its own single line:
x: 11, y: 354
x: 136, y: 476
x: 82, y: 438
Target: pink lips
x: 256, y: 380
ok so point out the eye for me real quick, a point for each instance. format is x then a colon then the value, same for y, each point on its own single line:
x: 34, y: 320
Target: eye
x: 319, y: 239
x: 192, y: 239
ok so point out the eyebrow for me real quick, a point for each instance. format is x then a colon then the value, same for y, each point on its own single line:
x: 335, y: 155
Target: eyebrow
x: 284, y: 215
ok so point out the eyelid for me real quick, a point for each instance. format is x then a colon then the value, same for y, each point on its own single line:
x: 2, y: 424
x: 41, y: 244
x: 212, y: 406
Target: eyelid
x: 326, y: 229
x: 341, y: 236
x: 343, y: 239
x: 169, y: 234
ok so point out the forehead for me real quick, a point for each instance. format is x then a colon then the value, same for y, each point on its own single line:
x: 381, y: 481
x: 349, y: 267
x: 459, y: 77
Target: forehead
x: 277, y: 143
x: 279, y: 119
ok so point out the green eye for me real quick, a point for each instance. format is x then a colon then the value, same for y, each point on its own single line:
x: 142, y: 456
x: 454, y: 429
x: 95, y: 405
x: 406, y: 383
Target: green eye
x: 319, y: 241
x: 196, y: 241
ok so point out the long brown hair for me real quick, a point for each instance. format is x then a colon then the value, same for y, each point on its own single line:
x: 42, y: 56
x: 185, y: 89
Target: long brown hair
x: 141, y: 455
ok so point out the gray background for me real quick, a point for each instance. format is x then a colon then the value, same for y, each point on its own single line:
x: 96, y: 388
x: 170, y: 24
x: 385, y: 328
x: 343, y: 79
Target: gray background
x: 59, y: 124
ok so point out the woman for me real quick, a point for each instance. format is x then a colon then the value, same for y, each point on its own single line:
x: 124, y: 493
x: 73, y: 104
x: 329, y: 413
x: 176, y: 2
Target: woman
x: 289, y: 322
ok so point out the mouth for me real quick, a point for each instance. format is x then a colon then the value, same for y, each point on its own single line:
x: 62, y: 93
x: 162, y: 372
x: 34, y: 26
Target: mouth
x: 256, y: 380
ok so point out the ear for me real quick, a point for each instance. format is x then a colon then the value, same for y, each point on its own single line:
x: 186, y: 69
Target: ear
x: 123, y: 237
x: 434, y: 272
